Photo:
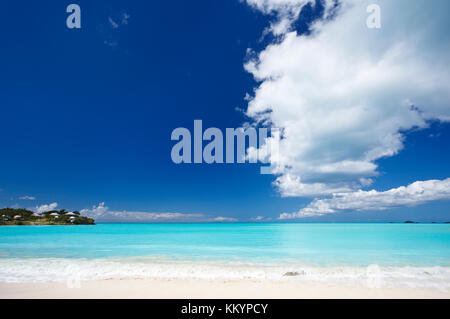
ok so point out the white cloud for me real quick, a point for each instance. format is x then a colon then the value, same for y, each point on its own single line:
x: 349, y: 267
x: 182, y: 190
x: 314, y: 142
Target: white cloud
x: 224, y: 219
x: 122, y: 20
x: 26, y: 197
x: 287, y: 12
x: 417, y: 193
x: 97, y: 211
x: 45, y: 208
x: 262, y: 219
x: 269, y: 6
x: 345, y: 94
x: 112, y: 23
x: 103, y: 213
x: 115, y: 23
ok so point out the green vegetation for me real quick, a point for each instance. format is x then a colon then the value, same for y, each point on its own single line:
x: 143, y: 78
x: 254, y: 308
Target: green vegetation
x: 11, y: 216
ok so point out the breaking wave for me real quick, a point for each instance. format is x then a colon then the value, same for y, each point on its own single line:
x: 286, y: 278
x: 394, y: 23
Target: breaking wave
x: 65, y: 269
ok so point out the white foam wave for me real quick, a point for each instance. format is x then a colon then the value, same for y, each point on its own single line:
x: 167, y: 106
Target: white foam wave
x: 64, y: 269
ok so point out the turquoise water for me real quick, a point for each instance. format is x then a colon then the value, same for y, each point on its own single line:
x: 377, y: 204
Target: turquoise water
x: 316, y: 244
x: 413, y: 255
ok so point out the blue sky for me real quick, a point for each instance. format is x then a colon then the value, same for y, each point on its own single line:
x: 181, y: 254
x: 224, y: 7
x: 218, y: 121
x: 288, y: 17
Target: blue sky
x: 87, y: 114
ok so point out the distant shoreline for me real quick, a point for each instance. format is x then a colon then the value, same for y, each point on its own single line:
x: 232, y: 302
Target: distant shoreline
x: 25, y: 217
x: 43, y: 224
x: 216, y: 223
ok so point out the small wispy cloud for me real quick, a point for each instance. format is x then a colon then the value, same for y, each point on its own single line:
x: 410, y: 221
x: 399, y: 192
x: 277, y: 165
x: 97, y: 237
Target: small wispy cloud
x: 125, y: 16
x: 258, y: 218
x: 26, y: 197
x: 222, y: 219
x: 112, y: 28
x: 102, y: 213
x: 117, y: 22
x: 112, y: 23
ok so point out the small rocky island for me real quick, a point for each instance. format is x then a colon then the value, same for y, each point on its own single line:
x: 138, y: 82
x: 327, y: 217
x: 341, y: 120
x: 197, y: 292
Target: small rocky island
x: 11, y: 216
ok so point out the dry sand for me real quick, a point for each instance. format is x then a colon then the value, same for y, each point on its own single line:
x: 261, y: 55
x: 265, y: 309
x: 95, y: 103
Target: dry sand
x: 198, y: 289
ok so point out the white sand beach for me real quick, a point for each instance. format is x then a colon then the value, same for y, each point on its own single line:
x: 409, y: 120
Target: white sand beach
x: 198, y: 289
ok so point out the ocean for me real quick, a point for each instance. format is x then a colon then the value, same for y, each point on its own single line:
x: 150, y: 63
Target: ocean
x: 381, y: 255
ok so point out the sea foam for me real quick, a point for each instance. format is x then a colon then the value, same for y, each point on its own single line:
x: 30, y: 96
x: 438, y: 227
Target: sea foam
x: 69, y: 269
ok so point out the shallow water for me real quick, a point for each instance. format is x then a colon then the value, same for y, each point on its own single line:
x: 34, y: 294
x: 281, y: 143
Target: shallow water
x: 401, y: 254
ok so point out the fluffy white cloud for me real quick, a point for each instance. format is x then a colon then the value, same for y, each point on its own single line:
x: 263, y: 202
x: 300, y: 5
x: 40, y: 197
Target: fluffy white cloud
x: 412, y: 195
x: 45, y: 208
x: 103, y: 213
x: 345, y: 94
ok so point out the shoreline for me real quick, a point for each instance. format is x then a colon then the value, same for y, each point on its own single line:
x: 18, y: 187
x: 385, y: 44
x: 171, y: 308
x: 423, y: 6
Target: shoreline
x: 206, y: 289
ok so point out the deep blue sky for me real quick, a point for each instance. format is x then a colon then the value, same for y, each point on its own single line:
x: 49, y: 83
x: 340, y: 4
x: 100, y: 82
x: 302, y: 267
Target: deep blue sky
x: 84, y: 121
